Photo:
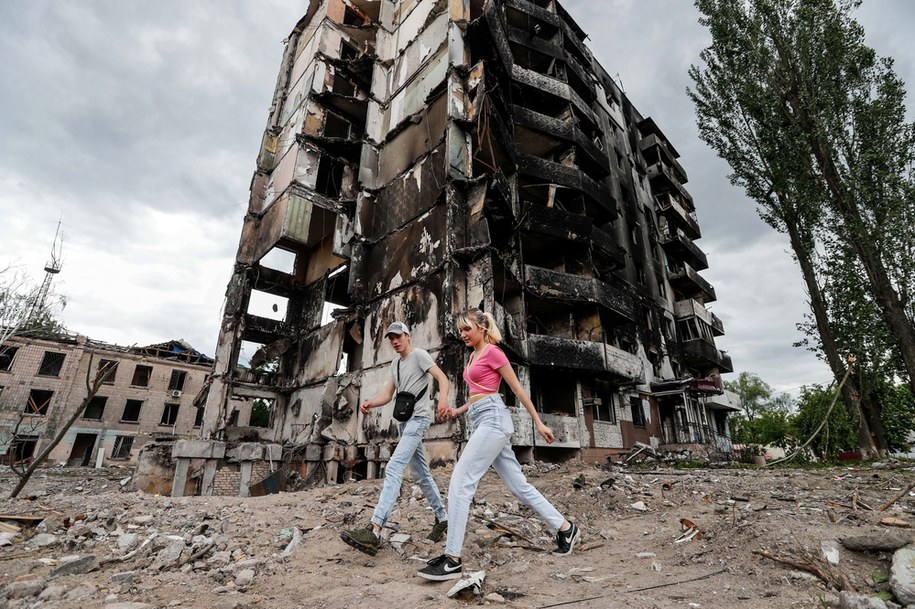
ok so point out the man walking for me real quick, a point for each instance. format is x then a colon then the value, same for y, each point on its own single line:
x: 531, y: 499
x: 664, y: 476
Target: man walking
x: 411, y: 372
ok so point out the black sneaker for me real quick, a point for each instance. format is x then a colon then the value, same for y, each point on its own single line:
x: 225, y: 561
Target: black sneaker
x: 438, y: 529
x: 363, y: 540
x: 566, y: 540
x: 441, y: 569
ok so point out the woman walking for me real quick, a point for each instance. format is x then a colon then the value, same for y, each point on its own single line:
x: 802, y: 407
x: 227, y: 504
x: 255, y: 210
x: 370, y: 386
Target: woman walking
x: 490, y: 444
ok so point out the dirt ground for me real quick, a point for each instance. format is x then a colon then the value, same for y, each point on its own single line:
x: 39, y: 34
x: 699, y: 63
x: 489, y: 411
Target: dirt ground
x: 283, y: 551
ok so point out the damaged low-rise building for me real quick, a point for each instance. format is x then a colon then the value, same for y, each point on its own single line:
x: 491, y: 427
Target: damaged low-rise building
x: 147, y: 398
x: 424, y: 156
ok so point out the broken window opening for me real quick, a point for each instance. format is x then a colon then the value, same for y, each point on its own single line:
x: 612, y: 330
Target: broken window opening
x: 330, y: 176
x: 141, y: 376
x: 83, y: 445
x: 279, y: 259
x: 131, y: 412
x: 38, y: 402
x: 22, y: 448
x: 261, y: 413
x: 7, y: 354
x: 96, y: 408
x: 336, y: 126
x: 198, y: 417
x: 51, y: 364
x: 121, y: 449
x: 348, y: 50
x: 233, y: 419
x: 177, y: 380
x: 169, y: 414
x: 351, y: 17
x: 103, y: 366
x: 638, y: 413
x: 343, y: 86
x: 269, y: 306
x: 555, y: 391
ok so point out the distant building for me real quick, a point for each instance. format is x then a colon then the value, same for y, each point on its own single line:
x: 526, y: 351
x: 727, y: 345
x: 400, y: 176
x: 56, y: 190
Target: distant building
x: 421, y: 157
x: 151, y: 395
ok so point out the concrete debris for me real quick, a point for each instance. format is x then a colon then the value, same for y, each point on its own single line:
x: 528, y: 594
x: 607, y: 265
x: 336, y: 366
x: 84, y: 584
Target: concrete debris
x: 472, y: 583
x: 75, y: 565
x: 882, y: 541
x: 850, y: 600
x: 902, y: 576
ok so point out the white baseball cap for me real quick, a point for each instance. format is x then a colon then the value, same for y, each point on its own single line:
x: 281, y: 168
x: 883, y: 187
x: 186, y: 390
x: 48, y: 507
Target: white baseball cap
x: 398, y: 327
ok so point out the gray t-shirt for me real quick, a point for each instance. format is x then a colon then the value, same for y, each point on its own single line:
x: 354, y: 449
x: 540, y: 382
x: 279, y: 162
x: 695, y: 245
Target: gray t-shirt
x: 414, y: 375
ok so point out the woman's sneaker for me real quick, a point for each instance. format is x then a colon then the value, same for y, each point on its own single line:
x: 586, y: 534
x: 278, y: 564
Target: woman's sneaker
x: 441, y: 569
x: 566, y: 540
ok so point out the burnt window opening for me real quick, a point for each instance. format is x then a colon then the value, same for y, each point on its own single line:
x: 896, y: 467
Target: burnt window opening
x: 554, y: 391
x: 7, y: 354
x: 198, y: 418
x: 121, y: 449
x: 96, y: 408
x: 103, y: 367
x: 38, y: 402
x: 169, y: 414
x: 51, y: 364
x: 602, y: 408
x: 1, y: 391
x: 336, y: 126
x: 141, y: 376
x: 233, y: 419
x: 131, y: 412
x: 662, y: 289
x: 351, y: 17
x: 343, y: 86
x: 330, y: 177
x: 348, y: 50
x: 638, y: 413
x: 177, y: 380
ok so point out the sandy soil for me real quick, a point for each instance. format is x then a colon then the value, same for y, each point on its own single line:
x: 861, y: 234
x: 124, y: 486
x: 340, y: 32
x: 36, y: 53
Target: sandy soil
x: 233, y: 553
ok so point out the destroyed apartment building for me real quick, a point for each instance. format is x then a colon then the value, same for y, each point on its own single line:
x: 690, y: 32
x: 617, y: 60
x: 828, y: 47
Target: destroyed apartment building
x: 148, y: 398
x: 424, y: 156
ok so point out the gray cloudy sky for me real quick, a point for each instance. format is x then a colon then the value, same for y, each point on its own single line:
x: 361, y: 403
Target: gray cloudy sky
x: 137, y: 124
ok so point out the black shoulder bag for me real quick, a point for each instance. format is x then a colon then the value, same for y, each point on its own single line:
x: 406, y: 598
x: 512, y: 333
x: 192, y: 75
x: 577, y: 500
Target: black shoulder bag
x: 405, y: 401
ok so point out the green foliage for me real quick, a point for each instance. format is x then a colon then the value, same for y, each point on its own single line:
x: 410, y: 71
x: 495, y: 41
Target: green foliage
x: 768, y: 427
x: 898, y: 415
x: 260, y: 413
x: 837, y: 434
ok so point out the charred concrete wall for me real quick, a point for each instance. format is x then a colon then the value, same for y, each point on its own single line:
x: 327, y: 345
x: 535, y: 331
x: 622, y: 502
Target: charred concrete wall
x: 422, y: 156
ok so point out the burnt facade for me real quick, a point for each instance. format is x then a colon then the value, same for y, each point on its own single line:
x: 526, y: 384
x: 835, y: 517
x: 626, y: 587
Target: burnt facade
x: 423, y: 156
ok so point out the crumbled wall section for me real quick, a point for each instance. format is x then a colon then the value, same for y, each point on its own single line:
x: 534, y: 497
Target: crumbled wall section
x: 424, y: 156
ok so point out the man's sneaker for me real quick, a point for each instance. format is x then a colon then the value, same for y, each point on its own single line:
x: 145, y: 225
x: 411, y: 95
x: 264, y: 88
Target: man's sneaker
x: 439, y: 529
x: 363, y: 540
x: 566, y: 540
x: 441, y: 569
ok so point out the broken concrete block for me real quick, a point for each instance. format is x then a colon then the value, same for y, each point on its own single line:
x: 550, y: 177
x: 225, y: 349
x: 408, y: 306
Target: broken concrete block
x: 902, y: 576
x: 473, y: 582
x: 124, y: 577
x: 52, y: 593
x: 830, y: 549
x: 848, y: 600
x: 640, y: 506
x: 128, y: 541
x: 199, y: 449
x: 42, y: 540
x: 244, y: 578
x: 883, y: 541
x: 75, y: 565
x: 25, y: 589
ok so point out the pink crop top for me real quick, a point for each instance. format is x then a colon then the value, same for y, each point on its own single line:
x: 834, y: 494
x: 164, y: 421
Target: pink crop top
x: 482, y: 374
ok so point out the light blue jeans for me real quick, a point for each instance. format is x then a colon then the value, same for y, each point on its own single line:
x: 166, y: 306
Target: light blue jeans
x: 410, y: 452
x: 490, y: 444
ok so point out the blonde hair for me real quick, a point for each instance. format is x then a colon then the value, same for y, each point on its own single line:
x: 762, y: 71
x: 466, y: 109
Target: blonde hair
x: 476, y: 317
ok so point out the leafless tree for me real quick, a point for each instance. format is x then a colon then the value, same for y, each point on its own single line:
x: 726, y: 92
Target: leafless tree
x: 92, y: 387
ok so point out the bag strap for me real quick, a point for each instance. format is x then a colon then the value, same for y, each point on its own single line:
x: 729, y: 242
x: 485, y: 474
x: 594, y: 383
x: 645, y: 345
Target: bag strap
x: 420, y: 394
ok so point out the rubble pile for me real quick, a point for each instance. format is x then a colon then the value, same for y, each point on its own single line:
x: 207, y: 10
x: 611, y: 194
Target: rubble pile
x: 838, y: 537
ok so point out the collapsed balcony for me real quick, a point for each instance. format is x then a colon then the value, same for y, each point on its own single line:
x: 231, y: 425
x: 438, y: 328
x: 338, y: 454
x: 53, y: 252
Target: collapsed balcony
x: 670, y: 207
x: 546, y: 283
x: 703, y: 354
x: 689, y: 308
x: 570, y: 177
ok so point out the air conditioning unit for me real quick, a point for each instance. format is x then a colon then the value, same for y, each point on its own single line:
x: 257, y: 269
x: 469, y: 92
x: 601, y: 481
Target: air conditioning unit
x: 175, y: 393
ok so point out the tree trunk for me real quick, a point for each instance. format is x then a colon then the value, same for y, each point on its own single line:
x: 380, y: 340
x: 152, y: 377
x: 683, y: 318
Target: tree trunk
x: 850, y: 392
x: 100, y: 377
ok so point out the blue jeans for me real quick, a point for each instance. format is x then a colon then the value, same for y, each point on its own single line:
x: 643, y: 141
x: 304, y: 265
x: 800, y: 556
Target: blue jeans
x: 490, y: 444
x: 410, y: 452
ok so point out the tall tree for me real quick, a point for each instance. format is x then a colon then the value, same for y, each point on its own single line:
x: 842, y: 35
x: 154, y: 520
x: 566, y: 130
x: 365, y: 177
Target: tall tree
x: 812, y: 123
